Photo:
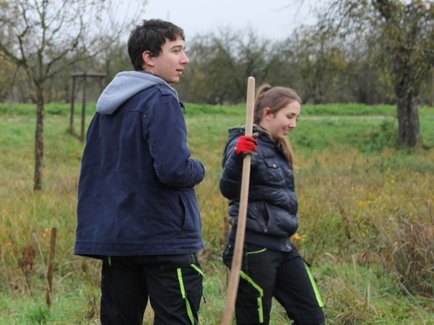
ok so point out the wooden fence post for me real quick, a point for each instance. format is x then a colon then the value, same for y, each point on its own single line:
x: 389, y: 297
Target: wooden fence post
x: 50, y: 271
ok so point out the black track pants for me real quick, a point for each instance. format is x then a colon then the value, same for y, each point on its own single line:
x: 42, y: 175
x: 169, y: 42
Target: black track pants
x: 266, y: 274
x: 173, y: 284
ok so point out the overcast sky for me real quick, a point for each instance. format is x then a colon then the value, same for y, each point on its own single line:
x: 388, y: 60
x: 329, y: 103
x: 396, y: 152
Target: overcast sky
x: 272, y: 19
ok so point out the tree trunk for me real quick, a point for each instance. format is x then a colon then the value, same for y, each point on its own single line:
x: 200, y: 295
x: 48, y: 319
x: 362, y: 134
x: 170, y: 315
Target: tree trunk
x: 39, y: 139
x: 408, y: 121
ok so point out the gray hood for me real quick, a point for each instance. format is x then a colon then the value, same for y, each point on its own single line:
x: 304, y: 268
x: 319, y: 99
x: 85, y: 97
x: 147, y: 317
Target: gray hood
x: 125, y: 85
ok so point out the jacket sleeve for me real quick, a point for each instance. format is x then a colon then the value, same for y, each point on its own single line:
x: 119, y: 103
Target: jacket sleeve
x: 168, y: 145
x: 230, y: 181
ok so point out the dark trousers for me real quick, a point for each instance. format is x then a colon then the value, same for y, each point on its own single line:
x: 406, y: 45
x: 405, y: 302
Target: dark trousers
x: 173, y: 284
x: 266, y: 274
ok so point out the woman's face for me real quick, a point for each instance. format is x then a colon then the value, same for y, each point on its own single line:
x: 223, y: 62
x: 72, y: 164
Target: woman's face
x: 280, y: 123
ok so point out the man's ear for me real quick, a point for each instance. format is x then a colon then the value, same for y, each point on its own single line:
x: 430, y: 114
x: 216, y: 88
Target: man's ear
x: 148, y: 59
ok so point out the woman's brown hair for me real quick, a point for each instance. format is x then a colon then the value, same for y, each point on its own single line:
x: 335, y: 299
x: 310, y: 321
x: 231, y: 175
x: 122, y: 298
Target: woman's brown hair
x: 276, y: 98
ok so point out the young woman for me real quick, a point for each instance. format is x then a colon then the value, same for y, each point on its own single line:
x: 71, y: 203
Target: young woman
x: 272, y: 266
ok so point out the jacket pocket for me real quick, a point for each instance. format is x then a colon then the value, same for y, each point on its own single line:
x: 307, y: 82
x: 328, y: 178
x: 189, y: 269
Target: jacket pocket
x: 257, y: 217
x: 190, y: 210
x: 175, y: 261
x: 280, y: 221
x: 274, y: 173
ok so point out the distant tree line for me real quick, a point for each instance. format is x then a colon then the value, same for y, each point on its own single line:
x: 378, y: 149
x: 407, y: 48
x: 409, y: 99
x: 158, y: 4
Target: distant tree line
x: 320, y: 64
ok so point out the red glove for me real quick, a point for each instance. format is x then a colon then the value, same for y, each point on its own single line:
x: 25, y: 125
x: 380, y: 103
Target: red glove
x: 245, y: 145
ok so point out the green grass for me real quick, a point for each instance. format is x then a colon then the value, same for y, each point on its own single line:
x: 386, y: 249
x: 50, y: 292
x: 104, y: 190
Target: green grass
x: 338, y: 109
x: 366, y: 211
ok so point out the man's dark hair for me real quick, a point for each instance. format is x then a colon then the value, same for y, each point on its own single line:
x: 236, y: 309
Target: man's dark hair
x: 150, y: 36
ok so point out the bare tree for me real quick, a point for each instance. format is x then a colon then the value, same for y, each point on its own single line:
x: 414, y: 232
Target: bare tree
x: 44, y: 37
x: 408, y: 32
x: 405, y: 31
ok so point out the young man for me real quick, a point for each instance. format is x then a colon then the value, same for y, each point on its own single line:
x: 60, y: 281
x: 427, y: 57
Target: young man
x: 137, y: 208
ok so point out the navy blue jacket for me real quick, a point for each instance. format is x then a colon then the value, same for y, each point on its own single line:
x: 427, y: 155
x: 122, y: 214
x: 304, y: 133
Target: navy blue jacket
x: 272, y: 203
x: 136, y: 189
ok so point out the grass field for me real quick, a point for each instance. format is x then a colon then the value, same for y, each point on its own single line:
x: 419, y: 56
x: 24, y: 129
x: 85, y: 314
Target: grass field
x: 366, y: 215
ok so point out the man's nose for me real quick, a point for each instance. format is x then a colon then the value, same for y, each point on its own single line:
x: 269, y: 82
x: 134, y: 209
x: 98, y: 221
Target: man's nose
x: 184, y: 58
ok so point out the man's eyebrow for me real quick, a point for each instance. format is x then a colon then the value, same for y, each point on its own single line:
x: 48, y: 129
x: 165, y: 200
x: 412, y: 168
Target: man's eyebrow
x: 177, y: 47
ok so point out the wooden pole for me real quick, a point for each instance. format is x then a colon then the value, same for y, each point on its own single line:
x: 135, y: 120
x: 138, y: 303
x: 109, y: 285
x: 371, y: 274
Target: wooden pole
x: 71, y: 117
x: 51, y: 265
x: 83, y: 108
x: 234, y: 277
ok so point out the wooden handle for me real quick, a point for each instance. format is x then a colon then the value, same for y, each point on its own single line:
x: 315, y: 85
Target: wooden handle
x: 234, y: 276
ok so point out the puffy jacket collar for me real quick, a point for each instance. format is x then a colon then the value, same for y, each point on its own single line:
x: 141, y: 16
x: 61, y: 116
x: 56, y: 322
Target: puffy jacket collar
x: 236, y: 132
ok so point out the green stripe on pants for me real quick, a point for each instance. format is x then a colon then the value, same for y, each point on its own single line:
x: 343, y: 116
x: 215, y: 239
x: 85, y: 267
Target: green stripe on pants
x: 184, y: 295
x: 314, y: 285
x: 261, y: 294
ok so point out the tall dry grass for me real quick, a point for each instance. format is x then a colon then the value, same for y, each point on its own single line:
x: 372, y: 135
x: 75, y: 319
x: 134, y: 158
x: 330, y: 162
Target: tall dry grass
x: 366, y: 221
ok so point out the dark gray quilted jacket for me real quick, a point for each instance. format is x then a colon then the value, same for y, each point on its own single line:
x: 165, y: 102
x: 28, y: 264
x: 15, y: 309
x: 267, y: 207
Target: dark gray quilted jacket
x: 272, y: 207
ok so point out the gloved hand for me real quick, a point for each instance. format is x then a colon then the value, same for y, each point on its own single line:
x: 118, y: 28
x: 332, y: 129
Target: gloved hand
x: 245, y: 145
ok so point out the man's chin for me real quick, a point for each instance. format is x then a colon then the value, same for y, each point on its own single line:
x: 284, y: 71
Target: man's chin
x: 173, y: 80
